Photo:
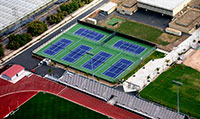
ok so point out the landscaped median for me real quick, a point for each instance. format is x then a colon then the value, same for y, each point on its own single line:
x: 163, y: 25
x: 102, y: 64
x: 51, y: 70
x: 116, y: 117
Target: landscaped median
x: 163, y: 91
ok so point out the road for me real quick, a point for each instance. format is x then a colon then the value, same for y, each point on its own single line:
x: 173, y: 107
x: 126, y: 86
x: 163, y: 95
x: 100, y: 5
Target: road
x: 26, y: 60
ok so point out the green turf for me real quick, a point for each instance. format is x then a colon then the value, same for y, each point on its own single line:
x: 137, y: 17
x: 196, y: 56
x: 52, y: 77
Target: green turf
x: 154, y: 55
x: 48, y: 106
x: 113, y: 21
x: 96, y: 48
x: 198, y: 48
x: 163, y: 91
x: 141, y: 31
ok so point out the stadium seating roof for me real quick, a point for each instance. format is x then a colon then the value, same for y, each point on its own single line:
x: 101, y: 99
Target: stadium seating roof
x: 13, y: 10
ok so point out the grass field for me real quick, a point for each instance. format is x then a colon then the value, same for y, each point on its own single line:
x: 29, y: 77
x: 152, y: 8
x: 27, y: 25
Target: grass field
x: 48, y: 106
x: 154, y: 55
x: 163, y: 91
x: 141, y: 31
x: 96, y: 48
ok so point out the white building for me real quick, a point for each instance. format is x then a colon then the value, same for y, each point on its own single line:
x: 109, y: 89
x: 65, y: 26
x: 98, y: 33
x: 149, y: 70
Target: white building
x: 168, y: 7
x: 108, y: 8
x: 14, y: 11
x: 12, y: 72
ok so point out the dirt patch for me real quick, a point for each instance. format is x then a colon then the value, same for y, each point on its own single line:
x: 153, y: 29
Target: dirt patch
x: 193, y: 60
x: 173, y: 44
x: 168, y: 37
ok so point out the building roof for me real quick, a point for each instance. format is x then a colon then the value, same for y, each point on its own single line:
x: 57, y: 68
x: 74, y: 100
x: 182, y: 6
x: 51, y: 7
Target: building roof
x: 12, y: 11
x: 108, y: 6
x: 165, y: 4
x: 129, y: 3
x: 13, y: 70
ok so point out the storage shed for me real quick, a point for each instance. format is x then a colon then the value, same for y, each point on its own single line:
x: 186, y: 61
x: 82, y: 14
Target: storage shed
x: 108, y: 8
x: 13, y: 72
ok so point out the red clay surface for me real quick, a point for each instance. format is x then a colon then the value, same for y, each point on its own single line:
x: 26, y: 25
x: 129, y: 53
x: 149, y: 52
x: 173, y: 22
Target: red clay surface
x: 14, y: 95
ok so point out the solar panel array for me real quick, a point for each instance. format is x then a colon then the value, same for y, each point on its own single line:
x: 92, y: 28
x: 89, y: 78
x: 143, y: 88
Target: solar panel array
x: 123, y: 99
x: 13, y: 10
x: 57, y: 47
x: 76, y: 53
x: 97, y: 60
x: 89, y: 34
x: 116, y: 69
x: 129, y: 47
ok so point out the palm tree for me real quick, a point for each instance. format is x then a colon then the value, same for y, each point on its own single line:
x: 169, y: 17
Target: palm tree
x: 66, y: 67
x: 157, y: 69
x: 86, y: 74
x: 148, y: 77
x: 167, y: 61
x: 50, y: 71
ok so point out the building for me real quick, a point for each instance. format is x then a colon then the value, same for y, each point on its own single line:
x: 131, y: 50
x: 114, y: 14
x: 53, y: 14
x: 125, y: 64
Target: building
x: 13, y: 72
x: 91, y: 21
x: 167, y: 7
x: 15, y: 13
x: 108, y: 8
x: 128, y: 7
x: 186, y: 22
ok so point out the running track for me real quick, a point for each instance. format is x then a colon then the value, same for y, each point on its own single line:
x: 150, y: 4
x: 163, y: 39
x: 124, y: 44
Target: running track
x: 14, y: 95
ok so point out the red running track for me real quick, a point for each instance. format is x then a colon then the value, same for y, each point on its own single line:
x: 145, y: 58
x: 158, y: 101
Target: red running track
x: 14, y: 95
x: 11, y: 102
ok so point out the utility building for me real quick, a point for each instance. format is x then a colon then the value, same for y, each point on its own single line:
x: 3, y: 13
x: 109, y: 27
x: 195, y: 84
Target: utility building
x: 13, y: 72
x: 167, y: 7
x: 108, y: 8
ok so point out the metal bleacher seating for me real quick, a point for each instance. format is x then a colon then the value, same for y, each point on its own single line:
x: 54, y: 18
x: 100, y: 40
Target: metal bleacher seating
x: 122, y: 99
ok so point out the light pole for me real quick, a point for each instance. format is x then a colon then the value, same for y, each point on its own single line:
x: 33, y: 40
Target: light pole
x: 91, y: 54
x: 178, y: 84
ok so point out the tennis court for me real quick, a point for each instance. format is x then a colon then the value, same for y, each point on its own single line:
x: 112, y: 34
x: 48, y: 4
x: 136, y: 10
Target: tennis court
x: 96, y: 51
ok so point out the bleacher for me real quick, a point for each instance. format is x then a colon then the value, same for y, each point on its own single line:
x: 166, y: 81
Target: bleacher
x: 130, y: 102
x: 13, y: 10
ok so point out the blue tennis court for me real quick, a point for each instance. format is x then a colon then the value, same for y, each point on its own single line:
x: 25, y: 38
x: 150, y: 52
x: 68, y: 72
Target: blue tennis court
x: 89, y: 34
x: 129, y: 47
x: 76, y: 53
x: 119, y: 67
x: 57, y: 47
x: 97, y: 60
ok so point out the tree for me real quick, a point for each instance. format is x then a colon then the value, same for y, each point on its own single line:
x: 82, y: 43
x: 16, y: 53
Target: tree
x: 86, y: 74
x: 13, y: 45
x: 36, y: 28
x: 157, y: 69
x: 167, y: 61
x: 1, y: 50
x: 50, y: 71
x: 148, y: 77
x: 67, y: 67
x: 16, y: 41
